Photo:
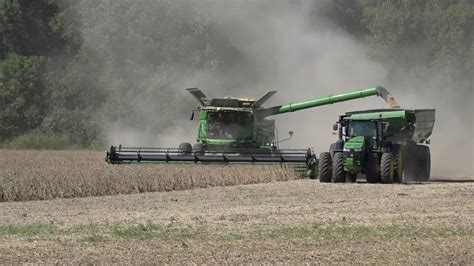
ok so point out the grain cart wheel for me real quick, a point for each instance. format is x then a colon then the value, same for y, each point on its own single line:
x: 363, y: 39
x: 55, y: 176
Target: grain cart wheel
x: 198, y: 149
x: 338, y: 174
x: 409, y: 162
x: 398, y: 159
x: 372, y: 168
x: 325, y: 167
x: 423, y: 163
x: 351, y: 178
x: 386, y: 168
x: 185, y: 148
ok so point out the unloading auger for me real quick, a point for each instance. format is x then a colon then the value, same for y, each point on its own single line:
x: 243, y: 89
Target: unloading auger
x: 236, y: 130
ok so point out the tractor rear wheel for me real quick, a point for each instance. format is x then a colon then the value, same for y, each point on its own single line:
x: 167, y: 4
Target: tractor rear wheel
x: 325, y: 167
x: 198, y: 149
x: 338, y: 174
x: 372, y: 168
x: 332, y: 147
x: 386, y: 168
x: 398, y: 161
x: 185, y: 148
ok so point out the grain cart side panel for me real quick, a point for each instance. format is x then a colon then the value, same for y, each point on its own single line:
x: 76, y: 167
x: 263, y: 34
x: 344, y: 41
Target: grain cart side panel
x: 425, y: 119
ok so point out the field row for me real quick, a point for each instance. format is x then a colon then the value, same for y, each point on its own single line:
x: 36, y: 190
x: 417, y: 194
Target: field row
x: 40, y: 175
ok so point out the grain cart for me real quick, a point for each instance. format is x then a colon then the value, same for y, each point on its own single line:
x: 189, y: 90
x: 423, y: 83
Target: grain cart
x: 235, y: 130
x: 386, y: 145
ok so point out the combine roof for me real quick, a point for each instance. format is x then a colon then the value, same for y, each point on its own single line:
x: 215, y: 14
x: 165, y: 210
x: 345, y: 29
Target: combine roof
x: 231, y: 102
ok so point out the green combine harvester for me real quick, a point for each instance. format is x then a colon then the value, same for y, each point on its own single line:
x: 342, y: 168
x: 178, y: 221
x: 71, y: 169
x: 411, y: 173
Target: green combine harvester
x: 234, y: 130
x: 386, y: 145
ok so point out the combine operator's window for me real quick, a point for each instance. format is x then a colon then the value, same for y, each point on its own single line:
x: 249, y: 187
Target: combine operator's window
x: 362, y: 128
x: 230, y: 125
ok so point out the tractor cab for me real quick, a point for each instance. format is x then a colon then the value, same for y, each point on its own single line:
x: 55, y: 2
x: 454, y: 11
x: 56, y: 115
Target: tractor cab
x: 361, y: 128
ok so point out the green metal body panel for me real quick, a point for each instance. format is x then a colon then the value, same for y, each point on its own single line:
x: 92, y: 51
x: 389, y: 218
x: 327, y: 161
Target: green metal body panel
x: 354, y: 145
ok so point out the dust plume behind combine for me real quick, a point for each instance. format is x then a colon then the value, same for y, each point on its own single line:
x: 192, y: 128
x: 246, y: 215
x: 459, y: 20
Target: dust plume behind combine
x: 281, y: 45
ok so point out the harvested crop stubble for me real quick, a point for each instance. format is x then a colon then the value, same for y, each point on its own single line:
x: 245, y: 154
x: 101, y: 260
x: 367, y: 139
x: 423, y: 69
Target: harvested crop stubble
x: 39, y: 175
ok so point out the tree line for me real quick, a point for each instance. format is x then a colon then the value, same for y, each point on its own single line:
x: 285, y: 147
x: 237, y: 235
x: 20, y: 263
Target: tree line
x: 67, y: 67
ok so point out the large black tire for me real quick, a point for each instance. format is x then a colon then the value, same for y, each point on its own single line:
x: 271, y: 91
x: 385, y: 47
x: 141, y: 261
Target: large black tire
x: 325, y: 167
x: 423, y: 166
x: 417, y: 163
x: 427, y: 164
x: 338, y: 174
x: 409, y: 168
x: 198, y: 149
x: 332, y: 147
x: 185, y: 148
x: 386, y: 168
x: 398, y: 163
x: 372, y: 168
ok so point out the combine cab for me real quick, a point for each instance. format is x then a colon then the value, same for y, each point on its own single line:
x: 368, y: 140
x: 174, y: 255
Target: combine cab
x: 235, y: 130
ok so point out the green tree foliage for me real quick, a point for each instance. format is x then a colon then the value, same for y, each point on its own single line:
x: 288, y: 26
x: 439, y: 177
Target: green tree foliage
x: 21, y: 95
x: 407, y: 34
x: 26, y: 28
x: 47, y: 84
x: 69, y: 67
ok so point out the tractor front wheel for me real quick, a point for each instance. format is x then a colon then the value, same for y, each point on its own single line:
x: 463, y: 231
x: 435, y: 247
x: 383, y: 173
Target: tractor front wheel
x: 338, y: 174
x: 386, y: 168
x: 325, y: 167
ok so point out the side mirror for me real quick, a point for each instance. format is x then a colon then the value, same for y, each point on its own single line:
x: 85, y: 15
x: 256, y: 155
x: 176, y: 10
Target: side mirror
x: 290, y: 133
x: 192, y: 116
x: 335, y: 126
x: 385, y: 126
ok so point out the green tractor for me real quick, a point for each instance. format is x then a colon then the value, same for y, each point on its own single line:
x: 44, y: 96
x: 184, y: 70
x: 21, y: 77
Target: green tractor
x: 235, y: 130
x: 386, y: 145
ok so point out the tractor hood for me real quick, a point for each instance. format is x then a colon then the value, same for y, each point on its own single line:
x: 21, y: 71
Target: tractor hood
x: 355, y: 143
x: 354, y: 154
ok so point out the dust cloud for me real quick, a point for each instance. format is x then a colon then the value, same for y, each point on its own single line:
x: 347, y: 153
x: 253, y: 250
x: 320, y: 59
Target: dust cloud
x: 283, y: 46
